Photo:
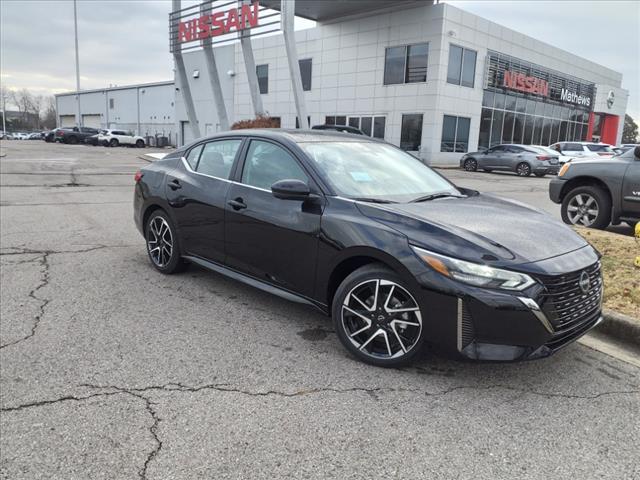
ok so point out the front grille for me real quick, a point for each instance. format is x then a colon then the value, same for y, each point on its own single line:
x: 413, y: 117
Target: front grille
x: 565, y: 304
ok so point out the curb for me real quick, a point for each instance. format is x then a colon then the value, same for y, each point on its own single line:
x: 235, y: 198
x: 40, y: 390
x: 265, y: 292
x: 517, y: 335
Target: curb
x: 621, y: 327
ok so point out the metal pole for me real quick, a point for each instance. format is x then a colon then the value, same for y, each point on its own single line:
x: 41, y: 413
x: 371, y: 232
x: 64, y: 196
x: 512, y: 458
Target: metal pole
x: 75, y: 28
x: 288, y: 17
x: 250, y: 67
x: 4, y: 114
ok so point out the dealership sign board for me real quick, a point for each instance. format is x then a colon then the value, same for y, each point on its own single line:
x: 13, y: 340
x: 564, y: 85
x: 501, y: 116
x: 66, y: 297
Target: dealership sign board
x: 523, y: 83
x: 218, y: 22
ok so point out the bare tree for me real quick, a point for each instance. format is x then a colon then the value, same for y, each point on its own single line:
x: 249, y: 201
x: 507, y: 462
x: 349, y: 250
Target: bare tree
x: 49, y: 115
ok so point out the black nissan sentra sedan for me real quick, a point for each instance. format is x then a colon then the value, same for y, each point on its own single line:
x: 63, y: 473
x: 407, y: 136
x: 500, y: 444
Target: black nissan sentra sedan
x: 394, y: 252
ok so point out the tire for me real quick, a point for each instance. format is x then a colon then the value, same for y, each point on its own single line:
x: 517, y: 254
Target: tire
x: 523, y: 169
x: 114, y: 142
x: 470, y: 165
x: 105, y: 143
x: 596, y: 212
x: 539, y: 175
x: 140, y: 143
x: 366, y: 328
x: 160, y: 234
x: 72, y: 140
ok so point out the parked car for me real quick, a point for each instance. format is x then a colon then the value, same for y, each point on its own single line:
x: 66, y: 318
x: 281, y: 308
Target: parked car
x: 583, y: 149
x: 94, y: 139
x: 20, y: 136
x: 521, y: 159
x: 397, y: 254
x: 35, y: 136
x: 74, y: 135
x: 625, y: 147
x: 598, y: 192
x: 339, y: 128
x: 113, y: 138
x: 562, y: 159
x: 50, y: 136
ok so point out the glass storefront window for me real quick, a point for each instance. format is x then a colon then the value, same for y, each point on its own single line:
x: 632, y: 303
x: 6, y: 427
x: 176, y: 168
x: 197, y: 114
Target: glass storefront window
x: 507, y: 129
x: 537, y: 131
x: 528, y: 130
x: 546, y: 132
x: 496, y: 127
x: 521, y: 105
x: 539, y: 108
x: 548, y: 110
x: 487, y: 99
x: 485, y: 128
x: 531, y: 107
x: 510, y: 102
x: 518, y: 128
x: 499, y: 103
x: 563, y: 131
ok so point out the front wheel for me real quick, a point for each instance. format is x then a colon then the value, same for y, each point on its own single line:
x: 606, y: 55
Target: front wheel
x: 470, y: 165
x: 140, y: 143
x: 163, y: 246
x: 377, y: 318
x: 523, y: 169
x: 587, y: 206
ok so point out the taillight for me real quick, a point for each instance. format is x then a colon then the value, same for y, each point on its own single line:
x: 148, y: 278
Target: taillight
x: 138, y: 176
x: 543, y: 157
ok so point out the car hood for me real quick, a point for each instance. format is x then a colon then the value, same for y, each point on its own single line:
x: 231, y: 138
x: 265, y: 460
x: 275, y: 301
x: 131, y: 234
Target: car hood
x: 482, y: 228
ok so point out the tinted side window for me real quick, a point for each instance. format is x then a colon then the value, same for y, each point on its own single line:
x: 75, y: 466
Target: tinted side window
x: 573, y: 147
x: 193, y: 156
x: 217, y: 158
x: 267, y: 163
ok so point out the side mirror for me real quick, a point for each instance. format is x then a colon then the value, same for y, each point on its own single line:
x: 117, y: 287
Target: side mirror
x: 290, y: 190
x: 636, y: 152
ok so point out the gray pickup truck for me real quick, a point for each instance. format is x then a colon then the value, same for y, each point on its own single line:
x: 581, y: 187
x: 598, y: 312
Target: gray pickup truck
x: 596, y: 193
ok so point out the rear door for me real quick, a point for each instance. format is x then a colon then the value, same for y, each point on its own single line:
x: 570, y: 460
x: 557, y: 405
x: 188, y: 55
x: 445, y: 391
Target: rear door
x: 272, y: 239
x: 197, y: 190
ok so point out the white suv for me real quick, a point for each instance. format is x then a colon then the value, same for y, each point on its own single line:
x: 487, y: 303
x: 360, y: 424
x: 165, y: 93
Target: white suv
x: 113, y: 138
x: 583, y: 149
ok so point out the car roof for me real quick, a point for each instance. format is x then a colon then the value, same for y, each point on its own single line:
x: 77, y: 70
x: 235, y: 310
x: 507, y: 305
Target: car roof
x: 297, y: 136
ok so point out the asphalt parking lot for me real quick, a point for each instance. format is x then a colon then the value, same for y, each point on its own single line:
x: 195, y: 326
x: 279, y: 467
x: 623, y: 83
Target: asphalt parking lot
x: 109, y: 369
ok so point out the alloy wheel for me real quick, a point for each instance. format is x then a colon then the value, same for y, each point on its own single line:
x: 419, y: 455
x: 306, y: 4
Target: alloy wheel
x: 160, y: 242
x: 470, y: 165
x: 523, y: 170
x: 381, y: 319
x: 582, y: 209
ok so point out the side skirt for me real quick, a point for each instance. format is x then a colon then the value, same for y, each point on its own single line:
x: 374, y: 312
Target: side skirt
x: 259, y: 284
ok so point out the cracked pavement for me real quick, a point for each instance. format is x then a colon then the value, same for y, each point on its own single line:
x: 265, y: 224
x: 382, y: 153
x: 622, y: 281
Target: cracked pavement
x: 109, y: 369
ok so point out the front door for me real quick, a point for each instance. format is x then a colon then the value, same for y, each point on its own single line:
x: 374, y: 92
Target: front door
x: 631, y: 190
x: 197, y: 192
x: 271, y: 239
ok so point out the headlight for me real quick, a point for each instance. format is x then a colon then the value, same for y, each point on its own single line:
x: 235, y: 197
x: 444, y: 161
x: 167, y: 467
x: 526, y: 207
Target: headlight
x: 564, y: 168
x: 474, y: 273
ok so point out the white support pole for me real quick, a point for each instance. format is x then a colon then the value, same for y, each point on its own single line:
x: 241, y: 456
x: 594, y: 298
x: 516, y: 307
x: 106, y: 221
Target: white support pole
x: 75, y: 29
x: 288, y: 8
x: 250, y: 67
x: 185, y: 89
x: 214, y: 78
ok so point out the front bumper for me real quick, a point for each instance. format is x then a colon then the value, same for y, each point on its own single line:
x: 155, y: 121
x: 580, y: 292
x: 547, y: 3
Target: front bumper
x: 494, y: 325
x: 555, y: 189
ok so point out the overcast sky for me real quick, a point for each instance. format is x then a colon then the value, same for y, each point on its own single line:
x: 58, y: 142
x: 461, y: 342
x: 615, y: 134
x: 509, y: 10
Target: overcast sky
x: 125, y: 41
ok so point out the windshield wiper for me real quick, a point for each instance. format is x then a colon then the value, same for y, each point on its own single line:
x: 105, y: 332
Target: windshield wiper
x: 433, y: 196
x: 372, y: 200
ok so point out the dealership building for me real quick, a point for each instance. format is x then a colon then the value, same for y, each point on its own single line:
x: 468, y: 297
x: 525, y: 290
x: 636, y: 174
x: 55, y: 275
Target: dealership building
x: 426, y: 76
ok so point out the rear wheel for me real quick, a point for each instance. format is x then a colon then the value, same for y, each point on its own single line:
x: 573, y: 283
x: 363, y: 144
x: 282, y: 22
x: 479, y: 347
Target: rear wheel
x: 587, y: 206
x: 140, y: 143
x: 377, y: 318
x: 523, y: 169
x: 163, y: 246
x: 113, y: 142
x: 470, y: 165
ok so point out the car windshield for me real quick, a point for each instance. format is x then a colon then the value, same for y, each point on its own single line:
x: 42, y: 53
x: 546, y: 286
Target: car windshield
x: 600, y: 148
x: 375, y: 171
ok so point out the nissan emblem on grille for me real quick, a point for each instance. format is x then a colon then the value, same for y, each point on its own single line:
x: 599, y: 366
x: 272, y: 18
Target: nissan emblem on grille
x: 585, y: 282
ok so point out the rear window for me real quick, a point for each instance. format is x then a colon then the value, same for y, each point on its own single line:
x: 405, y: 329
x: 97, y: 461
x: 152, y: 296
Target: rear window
x: 600, y: 148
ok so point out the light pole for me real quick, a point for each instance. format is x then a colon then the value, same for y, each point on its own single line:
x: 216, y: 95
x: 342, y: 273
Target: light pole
x: 75, y: 27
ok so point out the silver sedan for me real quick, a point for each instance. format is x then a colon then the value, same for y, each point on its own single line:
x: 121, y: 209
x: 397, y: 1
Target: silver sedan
x: 521, y: 159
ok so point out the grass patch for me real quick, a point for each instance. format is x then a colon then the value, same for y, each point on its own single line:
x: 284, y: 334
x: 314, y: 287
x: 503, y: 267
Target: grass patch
x: 621, y: 276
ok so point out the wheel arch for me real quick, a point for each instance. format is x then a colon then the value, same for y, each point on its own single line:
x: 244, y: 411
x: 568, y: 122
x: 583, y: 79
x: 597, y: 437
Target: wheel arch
x: 357, y: 257
x: 581, y: 182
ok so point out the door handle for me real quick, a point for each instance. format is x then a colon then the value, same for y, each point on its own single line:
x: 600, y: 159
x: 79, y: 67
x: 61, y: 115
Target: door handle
x: 237, y: 204
x: 174, y: 184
